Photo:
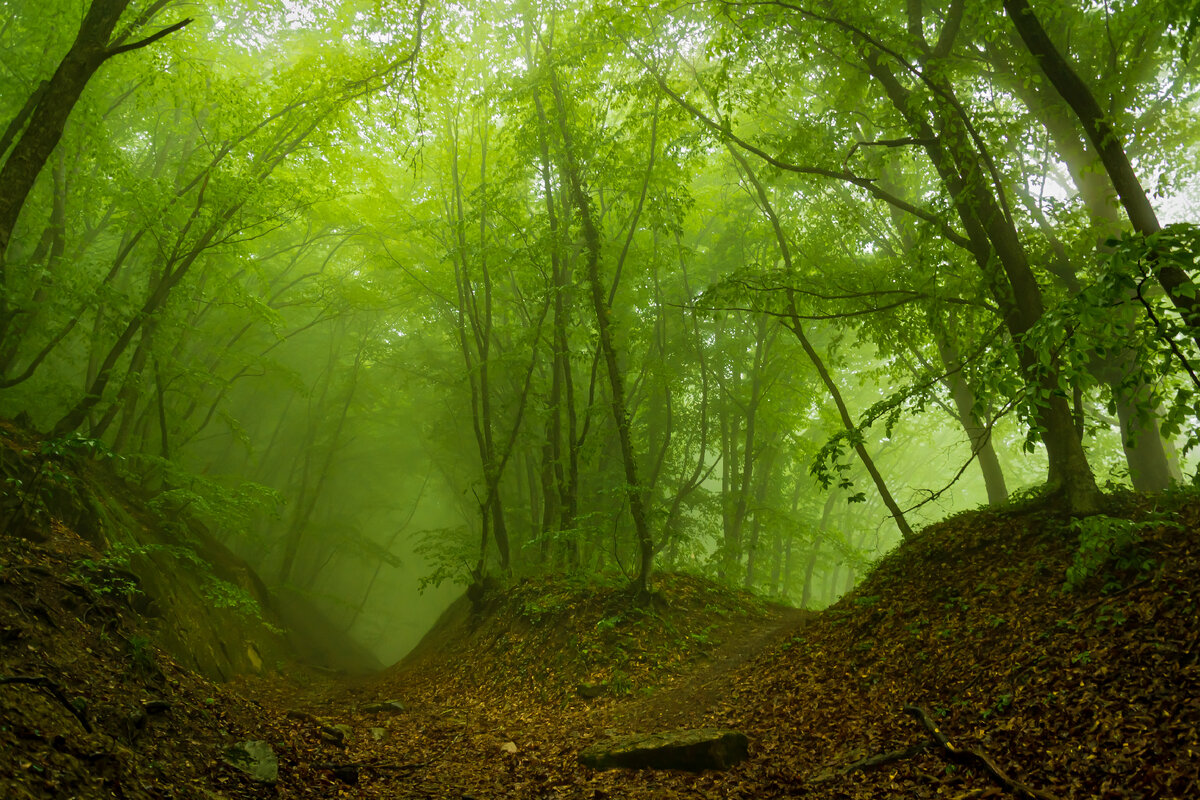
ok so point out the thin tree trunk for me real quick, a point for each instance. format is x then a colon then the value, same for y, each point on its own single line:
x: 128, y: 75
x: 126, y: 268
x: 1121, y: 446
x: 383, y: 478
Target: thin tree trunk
x: 734, y: 543
x: 979, y: 435
x: 760, y: 502
x: 379, y: 563
x: 796, y: 326
x: 310, y: 490
x: 603, y: 310
x: 562, y: 467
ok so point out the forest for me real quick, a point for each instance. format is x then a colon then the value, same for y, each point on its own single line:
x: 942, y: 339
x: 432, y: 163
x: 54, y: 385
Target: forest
x: 375, y: 303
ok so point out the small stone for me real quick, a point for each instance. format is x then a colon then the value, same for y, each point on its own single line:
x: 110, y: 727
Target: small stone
x: 156, y: 706
x: 386, y: 707
x: 337, y: 734
x: 347, y: 773
x: 256, y: 759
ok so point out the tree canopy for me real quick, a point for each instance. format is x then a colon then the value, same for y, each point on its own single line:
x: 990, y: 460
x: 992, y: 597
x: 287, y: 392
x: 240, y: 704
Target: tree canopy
x: 471, y: 291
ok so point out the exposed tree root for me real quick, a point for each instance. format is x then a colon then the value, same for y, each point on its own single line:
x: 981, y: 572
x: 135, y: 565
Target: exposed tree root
x: 51, y: 688
x: 882, y: 759
x: 974, y: 758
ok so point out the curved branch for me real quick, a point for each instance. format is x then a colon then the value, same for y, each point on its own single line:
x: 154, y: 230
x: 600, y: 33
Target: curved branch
x: 149, y: 40
x: 868, y: 184
x: 912, y: 69
x: 974, y: 758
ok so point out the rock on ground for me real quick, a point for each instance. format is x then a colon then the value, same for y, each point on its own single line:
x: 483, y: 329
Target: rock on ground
x: 692, y: 750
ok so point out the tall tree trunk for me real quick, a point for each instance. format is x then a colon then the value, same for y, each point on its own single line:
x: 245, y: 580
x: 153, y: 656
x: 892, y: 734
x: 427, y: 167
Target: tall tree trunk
x: 734, y: 544
x: 175, y: 270
x: 979, y: 435
x: 562, y: 467
x: 993, y: 240
x: 689, y: 483
x: 129, y: 397
x: 52, y: 248
x: 818, y: 536
x: 54, y: 103
x: 314, y: 475
x: 780, y: 568
x: 603, y: 311
x: 51, y: 105
x: 1146, y: 456
x: 1149, y: 467
x: 1108, y: 143
x: 475, y: 340
x: 963, y: 398
x: 760, y: 502
x: 730, y: 426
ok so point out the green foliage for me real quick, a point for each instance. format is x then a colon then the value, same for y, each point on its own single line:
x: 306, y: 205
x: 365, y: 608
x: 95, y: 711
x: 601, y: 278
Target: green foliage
x: 141, y: 654
x: 114, y: 575
x: 831, y: 464
x: 1122, y: 317
x: 1184, y: 19
x: 110, y: 575
x: 1108, y: 543
x: 620, y: 684
x: 30, y: 495
x: 311, y: 304
x: 1002, y: 704
x: 450, y: 552
x: 188, y: 498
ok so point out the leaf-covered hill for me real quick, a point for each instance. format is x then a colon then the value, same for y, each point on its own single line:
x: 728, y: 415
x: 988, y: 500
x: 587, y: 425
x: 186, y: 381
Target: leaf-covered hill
x: 1067, y: 652
x: 547, y: 640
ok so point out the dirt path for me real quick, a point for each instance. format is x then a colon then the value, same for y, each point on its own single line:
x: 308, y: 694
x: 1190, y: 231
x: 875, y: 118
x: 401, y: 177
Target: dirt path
x: 685, y: 701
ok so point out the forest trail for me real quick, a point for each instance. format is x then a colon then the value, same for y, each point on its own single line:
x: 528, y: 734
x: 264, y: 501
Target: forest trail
x: 680, y: 701
x: 693, y: 694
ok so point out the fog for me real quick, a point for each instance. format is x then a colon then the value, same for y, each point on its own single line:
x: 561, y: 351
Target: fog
x: 396, y: 299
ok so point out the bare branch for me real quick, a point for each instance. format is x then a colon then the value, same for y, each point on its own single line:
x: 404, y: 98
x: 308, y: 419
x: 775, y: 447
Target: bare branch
x: 869, y: 184
x: 149, y: 40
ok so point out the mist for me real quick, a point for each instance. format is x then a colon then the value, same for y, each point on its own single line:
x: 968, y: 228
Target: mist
x: 409, y: 307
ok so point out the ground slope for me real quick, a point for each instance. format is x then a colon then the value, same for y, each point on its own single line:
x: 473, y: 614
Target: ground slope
x: 1083, y: 692
x: 1075, y: 693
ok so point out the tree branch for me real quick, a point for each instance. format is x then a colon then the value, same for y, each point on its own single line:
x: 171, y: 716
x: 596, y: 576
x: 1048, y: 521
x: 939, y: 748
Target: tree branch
x: 149, y: 40
x: 868, y: 184
x: 974, y: 758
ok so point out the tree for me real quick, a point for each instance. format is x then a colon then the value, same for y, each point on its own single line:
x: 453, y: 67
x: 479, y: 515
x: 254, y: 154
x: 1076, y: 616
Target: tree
x: 602, y: 307
x: 36, y: 129
x: 1108, y: 143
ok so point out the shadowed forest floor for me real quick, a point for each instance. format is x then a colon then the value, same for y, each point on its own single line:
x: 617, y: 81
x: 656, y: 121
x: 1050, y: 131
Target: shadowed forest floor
x: 1082, y: 693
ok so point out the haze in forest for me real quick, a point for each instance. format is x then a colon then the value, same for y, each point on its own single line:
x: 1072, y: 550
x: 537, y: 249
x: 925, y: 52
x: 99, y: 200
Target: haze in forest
x: 397, y: 298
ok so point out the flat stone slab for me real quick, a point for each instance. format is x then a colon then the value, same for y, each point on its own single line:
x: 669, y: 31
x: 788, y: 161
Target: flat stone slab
x: 256, y: 759
x: 386, y: 707
x: 692, y: 750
